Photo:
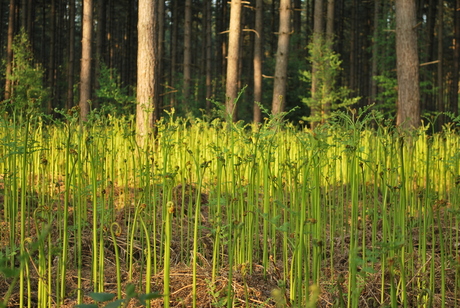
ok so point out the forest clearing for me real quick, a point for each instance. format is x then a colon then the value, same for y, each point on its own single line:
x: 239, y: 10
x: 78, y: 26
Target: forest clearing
x: 219, y: 214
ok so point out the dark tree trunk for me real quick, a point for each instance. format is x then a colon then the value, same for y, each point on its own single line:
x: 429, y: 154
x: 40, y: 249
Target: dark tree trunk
x: 173, y: 54
x: 440, y: 82
x: 187, y: 54
x: 52, y: 58
x: 258, y: 55
x: 456, y: 70
x: 208, y: 43
x: 9, y: 49
x: 71, y: 64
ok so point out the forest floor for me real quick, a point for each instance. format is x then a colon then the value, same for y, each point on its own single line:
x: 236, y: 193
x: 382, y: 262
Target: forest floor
x: 249, y: 289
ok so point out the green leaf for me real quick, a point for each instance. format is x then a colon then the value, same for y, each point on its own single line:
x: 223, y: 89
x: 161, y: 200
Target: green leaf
x: 130, y: 290
x: 102, y: 297
x: 115, y: 304
x: 9, y: 272
x: 86, y: 306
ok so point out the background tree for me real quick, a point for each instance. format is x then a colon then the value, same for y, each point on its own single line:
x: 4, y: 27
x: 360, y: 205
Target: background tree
x: 71, y: 54
x: 146, y: 68
x: 408, y: 115
x: 318, y: 35
x: 258, y: 63
x: 279, y: 88
x: 9, y: 49
x: 187, y: 53
x: 233, y: 59
x: 85, y: 74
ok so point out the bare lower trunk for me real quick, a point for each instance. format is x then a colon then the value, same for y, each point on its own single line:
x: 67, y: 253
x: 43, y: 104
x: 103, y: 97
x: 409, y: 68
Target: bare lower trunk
x: 85, y: 74
x: 233, y: 59
x: 408, y: 115
x: 279, y: 88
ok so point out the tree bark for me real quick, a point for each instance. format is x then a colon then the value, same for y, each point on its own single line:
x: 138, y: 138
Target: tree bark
x: 233, y: 59
x: 71, y: 64
x: 375, y: 51
x: 146, y: 66
x: 208, y: 40
x: 408, y: 114
x: 456, y: 69
x: 9, y: 49
x: 100, y: 38
x: 282, y: 55
x: 173, y: 54
x: 326, y: 110
x: 52, y: 58
x: 159, y: 61
x: 440, y: 82
x: 258, y: 55
x: 85, y: 74
x: 318, y: 32
x: 187, y: 54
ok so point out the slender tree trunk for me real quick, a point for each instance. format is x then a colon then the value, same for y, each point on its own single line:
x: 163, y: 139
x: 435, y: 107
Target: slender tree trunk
x: 233, y: 60
x: 318, y: 33
x: 440, y: 81
x: 9, y: 50
x: 408, y: 115
x: 71, y: 64
x: 52, y: 58
x: 29, y: 19
x: 208, y: 56
x: 85, y: 74
x: 297, y: 23
x: 326, y: 110
x: 100, y: 33
x: 258, y: 55
x: 375, y: 51
x: 282, y: 57
x: 187, y: 54
x: 146, y: 66
x: 159, y: 61
x: 456, y: 72
x: 172, y: 81
x: 353, y: 44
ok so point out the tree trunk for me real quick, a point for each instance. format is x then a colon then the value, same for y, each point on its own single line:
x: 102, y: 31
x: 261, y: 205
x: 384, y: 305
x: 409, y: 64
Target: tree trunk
x: 408, y: 114
x: 71, y: 64
x: 326, y: 110
x: 282, y: 55
x: 440, y: 82
x: 146, y: 66
x: 375, y: 51
x: 456, y: 72
x: 100, y: 33
x: 258, y: 54
x: 9, y: 50
x: 52, y: 58
x: 318, y: 32
x: 159, y: 61
x: 233, y: 60
x: 173, y: 54
x: 208, y: 40
x: 85, y: 74
x: 187, y: 54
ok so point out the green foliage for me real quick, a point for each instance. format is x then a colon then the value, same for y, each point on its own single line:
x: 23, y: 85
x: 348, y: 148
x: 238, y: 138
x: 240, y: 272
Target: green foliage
x: 131, y: 293
x: 113, y: 98
x: 328, y: 66
x: 28, y: 92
